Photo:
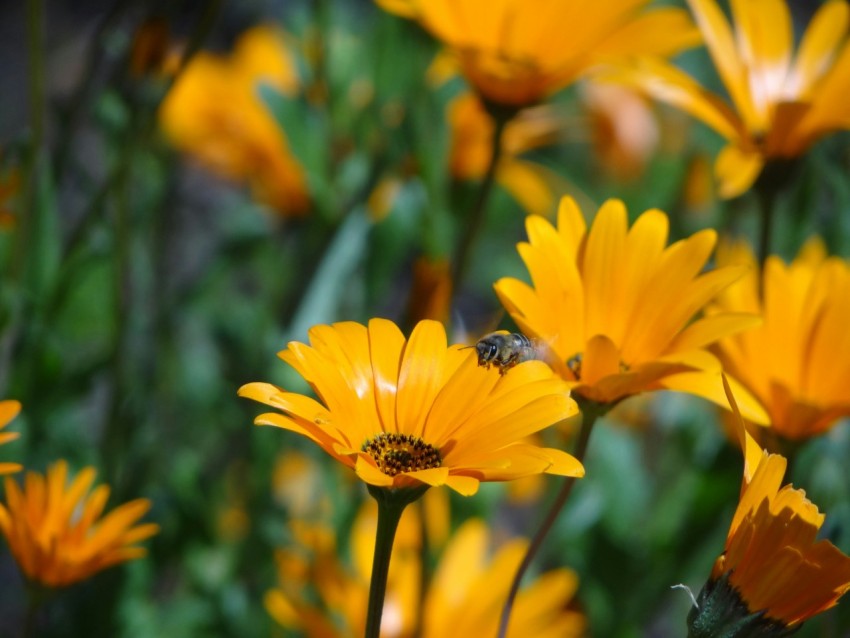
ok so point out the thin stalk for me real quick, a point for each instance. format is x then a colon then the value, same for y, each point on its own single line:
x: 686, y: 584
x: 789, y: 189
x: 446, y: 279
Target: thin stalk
x: 35, y: 598
x: 424, y: 570
x: 35, y: 160
x: 199, y: 34
x: 590, y: 413
x: 113, y: 438
x: 391, y: 504
x: 766, y: 195
x: 477, y: 214
x: 35, y: 51
x: 35, y: 165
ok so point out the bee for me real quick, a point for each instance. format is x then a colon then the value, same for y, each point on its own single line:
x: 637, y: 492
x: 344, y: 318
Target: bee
x: 505, y: 350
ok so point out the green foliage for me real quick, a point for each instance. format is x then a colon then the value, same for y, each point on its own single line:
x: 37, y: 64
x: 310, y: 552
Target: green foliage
x: 140, y: 290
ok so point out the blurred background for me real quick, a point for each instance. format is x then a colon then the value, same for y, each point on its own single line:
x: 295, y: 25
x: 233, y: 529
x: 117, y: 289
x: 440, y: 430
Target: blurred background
x: 187, y: 186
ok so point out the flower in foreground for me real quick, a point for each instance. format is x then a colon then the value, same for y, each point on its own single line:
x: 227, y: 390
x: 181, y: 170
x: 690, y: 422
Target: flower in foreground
x: 464, y: 597
x: 797, y: 363
x: 416, y: 413
x: 782, y: 101
x: 773, y: 573
x: 8, y: 411
x: 215, y: 112
x: 56, y: 532
x: 615, y: 305
x: 515, y: 53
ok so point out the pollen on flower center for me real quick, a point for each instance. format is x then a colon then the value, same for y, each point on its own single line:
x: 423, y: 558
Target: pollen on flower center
x: 398, y: 453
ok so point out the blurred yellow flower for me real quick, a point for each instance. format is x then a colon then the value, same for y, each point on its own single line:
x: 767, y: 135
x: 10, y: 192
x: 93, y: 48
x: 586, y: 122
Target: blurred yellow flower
x: 56, y: 533
x: 214, y: 111
x: 782, y: 101
x: 8, y: 411
x: 797, y: 363
x: 297, y: 482
x: 623, y: 130
x: 515, y: 53
x: 472, y: 129
x: 463, y: 599
x: 319, y: 596
x: 407, y: 413
x: 772, y: 560
x: 616, y: 306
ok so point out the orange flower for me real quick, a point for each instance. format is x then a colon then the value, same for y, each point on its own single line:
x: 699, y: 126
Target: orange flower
x: 56, y: 533
x: 797, y: 363
x: 772, y: 560
x: 464, y: 598
x: 616, y: 307
x: 214, y: 111
x: 8, y: 411
x: 407, y: 413
x: 782, y: 101
x: 515, y: 53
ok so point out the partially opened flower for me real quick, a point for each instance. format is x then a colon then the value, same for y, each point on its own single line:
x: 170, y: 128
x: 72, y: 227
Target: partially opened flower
x: 58, y: 533
x: 797, y: 363
x: 467, y: 590
x: 782, y: 100
x: 8, y: 411
x: 215, y: 112
x: 412, y: 413
x: 616, y: 306
x: 515, y: 53
x: 773, y: 574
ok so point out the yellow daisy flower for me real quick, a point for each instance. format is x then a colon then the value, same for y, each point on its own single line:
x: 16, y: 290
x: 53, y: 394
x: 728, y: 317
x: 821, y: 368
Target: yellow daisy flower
x: 56, y: 533
x: 464, y: 597
x: 783, y: 100
x: 214, y: 112
x: 412, y: 413
x: 615, y: 306
x: 797, y: 363
x: 515, y: 53
x: 772, y: 561
x: 8, y: 411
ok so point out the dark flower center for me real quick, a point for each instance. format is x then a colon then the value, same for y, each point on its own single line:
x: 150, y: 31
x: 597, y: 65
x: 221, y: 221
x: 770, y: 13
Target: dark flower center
x: 398, y: 453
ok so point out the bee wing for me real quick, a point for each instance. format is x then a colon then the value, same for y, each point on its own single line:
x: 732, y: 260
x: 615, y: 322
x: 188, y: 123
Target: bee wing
x: 544, y: 349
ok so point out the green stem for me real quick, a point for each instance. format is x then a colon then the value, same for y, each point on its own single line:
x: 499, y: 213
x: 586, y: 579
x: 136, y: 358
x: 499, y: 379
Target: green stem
x: 116, y: 425
x: 477, y: 214
x: 37, y: 158
x: 36, y: 596
x: 202, y: 28
x: 35, y: 51
x: 590, y: 413
x: 767, y: 205
x: 391, y: 504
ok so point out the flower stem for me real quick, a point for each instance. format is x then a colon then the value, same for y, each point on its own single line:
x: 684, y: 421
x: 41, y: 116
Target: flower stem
x: 767, y: 200
x: 774, y: 179
x: 391, y: 504
x: 35, y: 597
x: 590, y: 413
x: 476, y: 215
